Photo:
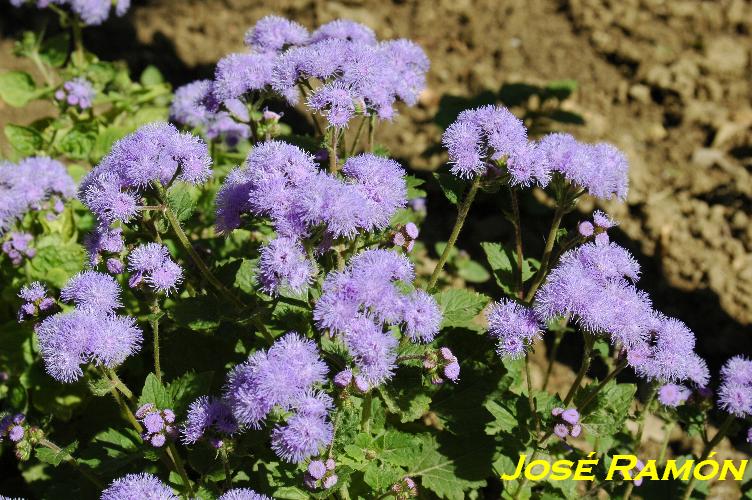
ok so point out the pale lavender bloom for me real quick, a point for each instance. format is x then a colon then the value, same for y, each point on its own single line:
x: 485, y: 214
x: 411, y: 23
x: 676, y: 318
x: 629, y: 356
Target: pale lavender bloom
x: 570, y: 416
x: 412, y: 230
x: 17, y: 248
x: 274, y: 34
x: 602, y: 239
x: 673, y: 395
x: 242, y: 494
x: 313, y: 403
x: 382, y: 182
x: 374, y: 352
x: 602, y: 220
x: 409, y: 65
x: 330, y: 481
x: 142, y: 486
x: 68, y: 340
x: 33, y: 292
x: 343, y: 378
x: 317, y: 469
x: 238, y: 74
x: 78, y: 92
x: 301, y: 437
x: 222, y: 125
x: 152, y: 263
x: 104, y: 239
x: 452, y: 371
x: 109, y: 199
x: 115, y: 266
x: 189, y: 104
x: 585, y: 229
x: 335, y: 101
x: 156, y: 423
x: 422, y: 316
x: 283, y: 264
x: 343, y: 29
x: 35, y: 299
x: 92, y: 291
x: 737, y: 370
x: 735, y: 392
x: 30, y: 185
x: 514, y: 325
x: 561, y: 430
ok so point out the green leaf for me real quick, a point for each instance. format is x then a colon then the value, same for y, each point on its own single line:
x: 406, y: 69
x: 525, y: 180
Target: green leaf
x: 56, y: 261
x: 105, y: 139
x: 17, y: 88
x: 472, y: 271
x: 112, y: 450
x: 196, y: 313
x: 381, y: 476
x: 187, y: 388
x: 101, y: 387
x: 154, y: 392
x: 452, y: 467
x: 291, y: 493
x: 54, y: 50
x: 245, y: 278
x: 460, y: 307
x: 413, y: 183
x: 451, y: 186
x: 151, y: 76
x: 78, y: 142
x: 54, y: 458
x: 25, y: 140
x: 606, y: 415
x: 503, y: 262
x: 182, y: 199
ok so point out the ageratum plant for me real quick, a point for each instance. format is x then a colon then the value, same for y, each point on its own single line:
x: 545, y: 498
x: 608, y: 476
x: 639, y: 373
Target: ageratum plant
x: 199, y: 302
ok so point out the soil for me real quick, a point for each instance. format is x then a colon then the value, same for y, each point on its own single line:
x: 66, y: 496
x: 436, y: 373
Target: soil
x: 669, y: 82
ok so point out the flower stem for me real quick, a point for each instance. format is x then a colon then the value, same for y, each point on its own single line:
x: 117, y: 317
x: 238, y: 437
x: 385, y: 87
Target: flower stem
x: 584, y: 366
x: 530, y: 398
x: 552, y: 358
x: 462, y: 212
x: 110, y: 373
x: 589, y: 399
x: 78, y: 42
x: 371, y: 132
x: 155, y: 313
x: 725, y: 426
x: 643, y: 415
x: 172, y: 452
x: 664, y: 446
x: 550, y: 240
x: 365, y: 413
x: 517, y: 241
x: 333, y: 151
x: 355, y: 142
x: 72, y: 460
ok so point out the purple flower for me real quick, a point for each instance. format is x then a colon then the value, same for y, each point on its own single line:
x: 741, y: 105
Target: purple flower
x: 735, y: 392
x: 92, y: 291
x: 373, y: 351
x: 317, y: 469
x: 242, y: 494
x: 222, y: 125
x: 115, y: 266
x: 156, y: 423
x: 561, y: 430
x: 673, y: 395
x: 515, y: 327
x: 207, y: 414
x: 336, y: 101
x: 78, y: 92
x: 274, y: 34
x: 238, y: 74
x: 144, y: 486
x: 343, y: 378
x: 343, y: 29
x: 602, y: 220
x: 33, y: 292
x: 34, y: 183
x: 283, y: 264
x: 382, y: 182
x: 301, y: 437
x: 35, y: 300
x: 452, y: 371
x: 104, y: 240
x: 152, y: 263
x: 585, y: 229
x: 422, y: 316
x: 570, y: 416
x: 107, y: 197
x: 409, y: 65
x: 189, y: 104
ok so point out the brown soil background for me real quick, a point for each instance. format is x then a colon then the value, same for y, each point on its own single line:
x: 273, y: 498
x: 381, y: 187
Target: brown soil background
x: 669, y: 82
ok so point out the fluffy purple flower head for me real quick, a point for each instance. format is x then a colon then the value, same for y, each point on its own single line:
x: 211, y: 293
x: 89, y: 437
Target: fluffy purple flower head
x: 735, y: 392
x: 317, y: 469
x: 31, y: 185
x: 561, y: 430
x: 104, y: 240
x: 585, y: 229
x: 242, y: 494
x: 408, y: 67
x: 301, y: 437
x: 515, y: 327
x: 93, y: 291
x: 222, y: 125
x: 142, y: 486
x: 452, y: 371
x: 189, y: 104
x: 673, y: 395
x: 343, y: 29
x: 274, y: 34
x: 602, y: 220
x: 33, y: 292
x: 382, y: 182
x: 335, y: 101
x: 238, y: 74
x: 374, y: 352
x: 68, y: 340
x: 207, y: 415
x: 737, y: 370
x: 35, y: 299
x: 343, y: 378
x: 570, y: 416
x: 599, y: 168
x: 78, y: 92
x: 422, y: 316
x: 283, y: 264
x: 152, y: 263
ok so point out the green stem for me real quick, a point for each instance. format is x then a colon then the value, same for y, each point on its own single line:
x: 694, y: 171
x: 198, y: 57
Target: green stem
x: 155, y: 312
x: 333, y: 151
x: 72, y: 460
x: 517, y: 241
x: 530, y: 398
x: 78, y: 42
x: 552, y: 358
x: 110, y: 373
x: 462, y: 212
x: 664, y: 446
x: 371, y: 132
x: 226, y: 466
x: 172, y: 452
x: 725, y: 426
x: 550, y: 240
x: 584, y: 366
x: 644, y: 414
x: 127, y: 411
x: 365, y: 413
x: 611, y: 375
x: 355, y: 142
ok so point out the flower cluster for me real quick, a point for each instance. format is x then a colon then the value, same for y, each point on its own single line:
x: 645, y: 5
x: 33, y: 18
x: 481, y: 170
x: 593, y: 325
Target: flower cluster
x: 151, y: 263
x: 91, y: 12
x: 405, y: 489
x: 481, y: 138
x: 362, y: 299
x: 12, y: 427
x: 594, y: 283
x: 155, y: 153
x: 158, y: 424
x: 17, y: 248
x: 107, y: 241
x: 735, y: 392
x: 78, y: 92
x: 673, y: 395
x: 405, y: 237
x: 442, y: 363
x: 596, y: 229
x: 514, y: 326
x: 91, y: 332
x: 282, y: 182
x: 284, y: 377
x: 35, y: 300
x: 208, y: 416
x: 320, y: 474
x: 567, y: 422
x: 141, y: 485
x: 242, y: 494
x: 35, y: 183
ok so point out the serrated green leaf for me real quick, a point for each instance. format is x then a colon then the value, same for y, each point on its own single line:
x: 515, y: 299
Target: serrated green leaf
x: 25, y: 140
x: 17, y: 88
x: 101, y: 386
x: 187, y: 388
x: 154, y: 392
x: 182, y: 199
x: 460, y: 307
x: 78, y: 142
x: 605, y: 416
x: 381, y: 476
x: 53, y: 457
x: 471, y: 271
x: 56, y: 261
